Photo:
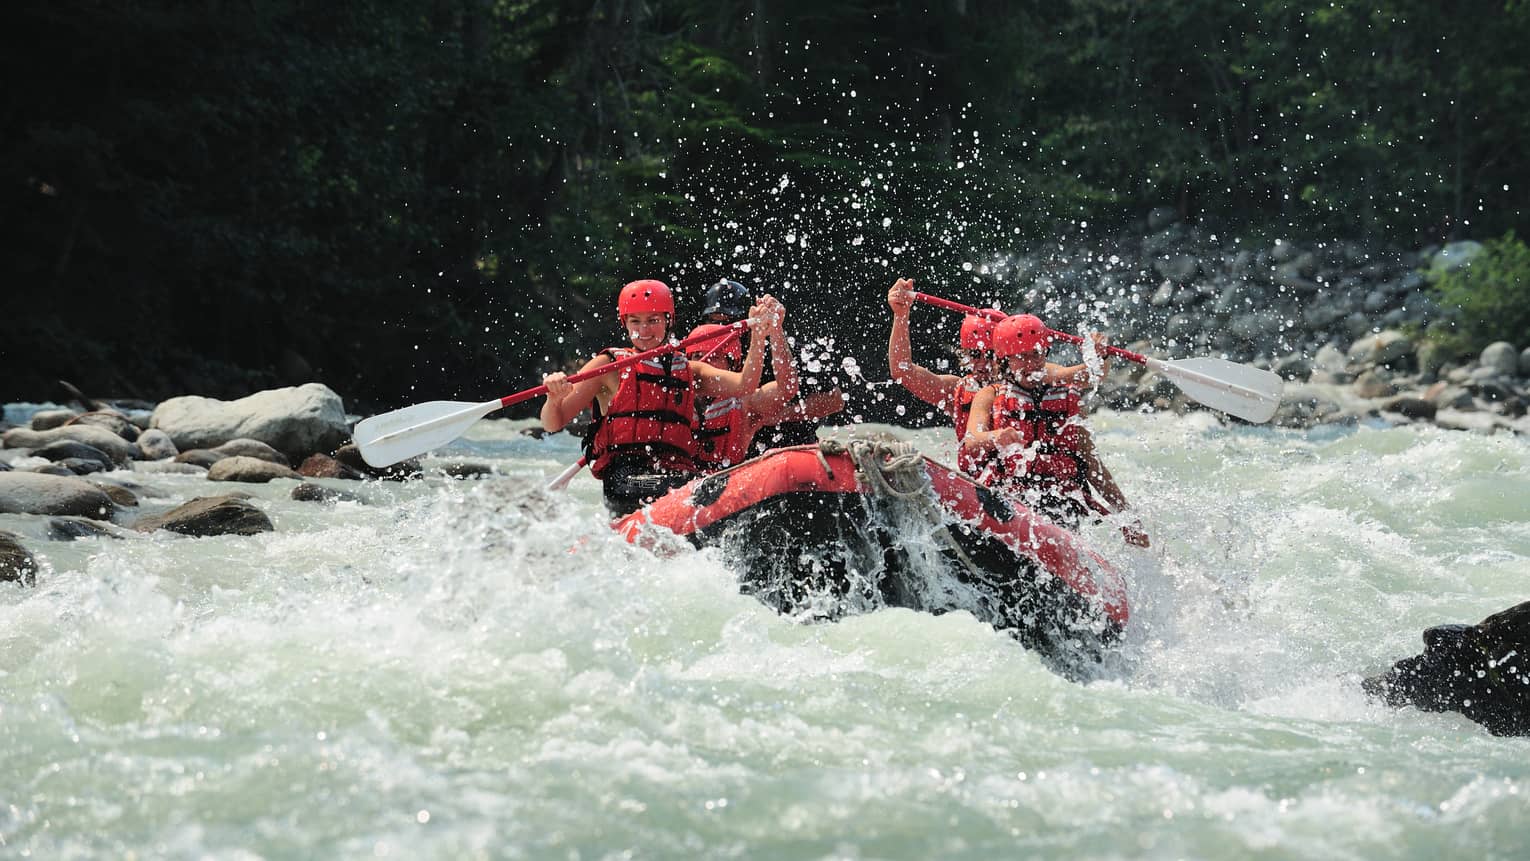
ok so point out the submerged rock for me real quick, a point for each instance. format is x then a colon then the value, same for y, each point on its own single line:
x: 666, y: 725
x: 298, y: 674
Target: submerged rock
x: 1481, y: 671
x: 214, y: 515
x: 157, y: 445
x: 71, y: 528
x: 324, y: 466
x: 17, y: 565
x: 310, y: 492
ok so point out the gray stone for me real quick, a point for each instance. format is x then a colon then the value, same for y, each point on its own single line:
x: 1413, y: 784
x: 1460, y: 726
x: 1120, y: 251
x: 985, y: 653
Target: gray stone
x: 1370, y: 385
x: 252, y: 448
x: 295, y: 421
x: 248, y: 469
x: 1294, y: 367
x: 80, y: 465
x: 118, y: 494
x: 1182, y: 325
x: 1455, y: 255
x: 157, y: 445
x: 1410, y: 407
x: 32, y: 493
x: 68, y: 448
x: 71, y: 528
x: 1357, y: 325
x: 1502, y: 358
x: 216, y: 515
x: 1163, y: 295
x: 1387, y: 347
x: 1324, y: 313
x: 1178, y: 268
x: 119, y: 449
x: 111, y: 420
x: 202, y: 457
x: 17, y: 564
x: 308, y: 492
x: 1376, y: 301
x: 49, y: 419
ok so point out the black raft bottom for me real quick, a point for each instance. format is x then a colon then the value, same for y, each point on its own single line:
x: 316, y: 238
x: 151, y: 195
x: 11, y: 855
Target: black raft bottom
x: 822, y: 556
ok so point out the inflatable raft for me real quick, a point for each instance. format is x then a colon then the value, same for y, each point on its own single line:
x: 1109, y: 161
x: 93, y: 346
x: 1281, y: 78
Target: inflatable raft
x: 821, y: 531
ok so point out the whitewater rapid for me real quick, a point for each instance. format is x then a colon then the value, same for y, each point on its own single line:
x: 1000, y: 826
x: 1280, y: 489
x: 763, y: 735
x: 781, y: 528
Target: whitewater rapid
x: 458, y: 669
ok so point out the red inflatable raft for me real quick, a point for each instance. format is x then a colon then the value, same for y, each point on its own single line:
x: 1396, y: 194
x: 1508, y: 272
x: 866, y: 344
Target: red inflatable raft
x: 819, y: 533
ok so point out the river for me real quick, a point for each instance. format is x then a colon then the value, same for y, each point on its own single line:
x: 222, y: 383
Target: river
x: 462, y: 669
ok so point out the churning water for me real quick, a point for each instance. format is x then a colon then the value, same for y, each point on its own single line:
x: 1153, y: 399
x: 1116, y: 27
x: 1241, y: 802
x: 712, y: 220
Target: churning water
x: 458, y: 669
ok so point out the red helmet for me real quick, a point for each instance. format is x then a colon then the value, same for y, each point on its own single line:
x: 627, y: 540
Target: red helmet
x: 1022, y: 333
x: 729, y: 350
x: 645, y: 297
x: 977, y: 333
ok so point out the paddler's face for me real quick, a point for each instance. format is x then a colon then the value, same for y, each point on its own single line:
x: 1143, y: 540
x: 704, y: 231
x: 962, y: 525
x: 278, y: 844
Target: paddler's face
x: 978, y: 363
x: 647, y: 330
x: 1027, y: 367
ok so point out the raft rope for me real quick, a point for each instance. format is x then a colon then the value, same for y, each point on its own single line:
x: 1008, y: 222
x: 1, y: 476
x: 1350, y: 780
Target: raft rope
x: 895, y: 470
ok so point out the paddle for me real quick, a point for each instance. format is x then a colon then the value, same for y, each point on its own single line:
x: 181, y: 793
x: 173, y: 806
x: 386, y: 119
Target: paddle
x: 1249, y: 393
x: 391, y: 437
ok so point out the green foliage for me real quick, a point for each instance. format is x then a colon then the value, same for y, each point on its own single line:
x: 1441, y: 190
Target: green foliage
x: 441, y: 198
x: 1490, y: 297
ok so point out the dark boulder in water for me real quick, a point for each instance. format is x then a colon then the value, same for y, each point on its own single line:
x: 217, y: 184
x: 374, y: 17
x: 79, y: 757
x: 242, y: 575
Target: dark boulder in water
x: 16, y: 563
x: 217, y: 515
x: 1481, y: 671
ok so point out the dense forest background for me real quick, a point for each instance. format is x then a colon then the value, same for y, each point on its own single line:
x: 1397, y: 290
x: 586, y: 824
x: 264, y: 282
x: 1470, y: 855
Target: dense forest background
x: 413, y: 200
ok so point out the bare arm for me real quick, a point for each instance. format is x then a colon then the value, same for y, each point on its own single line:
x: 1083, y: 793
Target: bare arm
x: 717, y: 383
x: 926, y: 385
x: 1079, y: 375
x: 979, y: 438
x: 566, y: 400
x: 1100, y: 479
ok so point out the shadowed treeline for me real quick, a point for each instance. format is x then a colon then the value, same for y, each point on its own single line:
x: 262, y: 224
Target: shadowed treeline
x: 414, y: 200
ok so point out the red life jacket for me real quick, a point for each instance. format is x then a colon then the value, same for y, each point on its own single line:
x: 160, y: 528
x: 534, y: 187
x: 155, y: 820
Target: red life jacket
x: 723, y: 438
x: 651, y: 416
x: 1050, y: 437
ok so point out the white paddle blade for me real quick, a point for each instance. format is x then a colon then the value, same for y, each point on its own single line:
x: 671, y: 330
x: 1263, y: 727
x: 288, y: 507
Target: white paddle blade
x: 1249, y: 393
x: 391, y: 437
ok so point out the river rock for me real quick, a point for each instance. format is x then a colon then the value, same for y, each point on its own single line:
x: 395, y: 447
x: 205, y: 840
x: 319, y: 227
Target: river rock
x: 1502, y: 358
x: 80, y: 465
x: 16, y: 564
x: 203, y: 457
x: 117, y: 493
x: 52, y: 469
x: 49, y: 419
x: 157, y: 445
x: 120, y: 450
x: 464, y: 469
x: 324, y: 466
x: 248, y: 469
x: 252, y: 448
x: 1410, y: 407
x: 350, y: 455
x: 68, y: 448
x: 1371, y: 385
x: 71, y: 528
x: 295, y: 421
x: 1455, y: 255
x: 32, y: 493
x: 310, y: 492
x: 214, y: 515
x: 1481, y: 671
x: 1387, y: 347
x: 111, y: 420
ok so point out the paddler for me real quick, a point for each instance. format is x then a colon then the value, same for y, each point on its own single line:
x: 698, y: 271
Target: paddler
x: 953, y: 394
x: 728, y: 425
x: 778, y: 421
x: 1027, y: 431
x: 642, y: 442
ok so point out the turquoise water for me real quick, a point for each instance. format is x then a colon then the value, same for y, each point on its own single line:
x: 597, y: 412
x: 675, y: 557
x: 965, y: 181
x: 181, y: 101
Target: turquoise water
x: 472, y: 669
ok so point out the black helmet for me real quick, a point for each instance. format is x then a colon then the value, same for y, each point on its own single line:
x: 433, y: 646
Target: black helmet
x: 727, y: 301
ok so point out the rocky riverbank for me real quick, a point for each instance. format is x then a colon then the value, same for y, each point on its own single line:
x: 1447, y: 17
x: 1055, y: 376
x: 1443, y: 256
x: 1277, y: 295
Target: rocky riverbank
x: 1342, y: 322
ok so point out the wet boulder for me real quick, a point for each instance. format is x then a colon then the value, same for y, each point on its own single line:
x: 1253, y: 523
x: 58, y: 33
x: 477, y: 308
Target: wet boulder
x: 35, y: 493
x: 16, y: 564
x: 350, y: 455
x: 111, y: 420
x: 119, y: 449
x: 49, y: 419
x: 310, y: 492
x: 1481, y: 671
x: 248, y: 469
x: 296, y: 421
x: 324, y: 466
x: 157, y: 445
x: 252, y: 448
x: 73, y: 528
x: 68, y: 448
x: 205, y: 516
x: 203, y: 457
x: 118, y: 494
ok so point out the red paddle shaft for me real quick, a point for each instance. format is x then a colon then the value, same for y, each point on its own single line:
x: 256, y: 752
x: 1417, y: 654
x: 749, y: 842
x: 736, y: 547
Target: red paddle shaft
x: 617, y: 365
x: 995, y: 314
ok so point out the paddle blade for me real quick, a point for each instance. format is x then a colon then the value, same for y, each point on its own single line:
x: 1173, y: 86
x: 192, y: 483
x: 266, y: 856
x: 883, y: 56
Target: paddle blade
x: 1249, y: 393
x: 391, y: 437
x: 566, y: 475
